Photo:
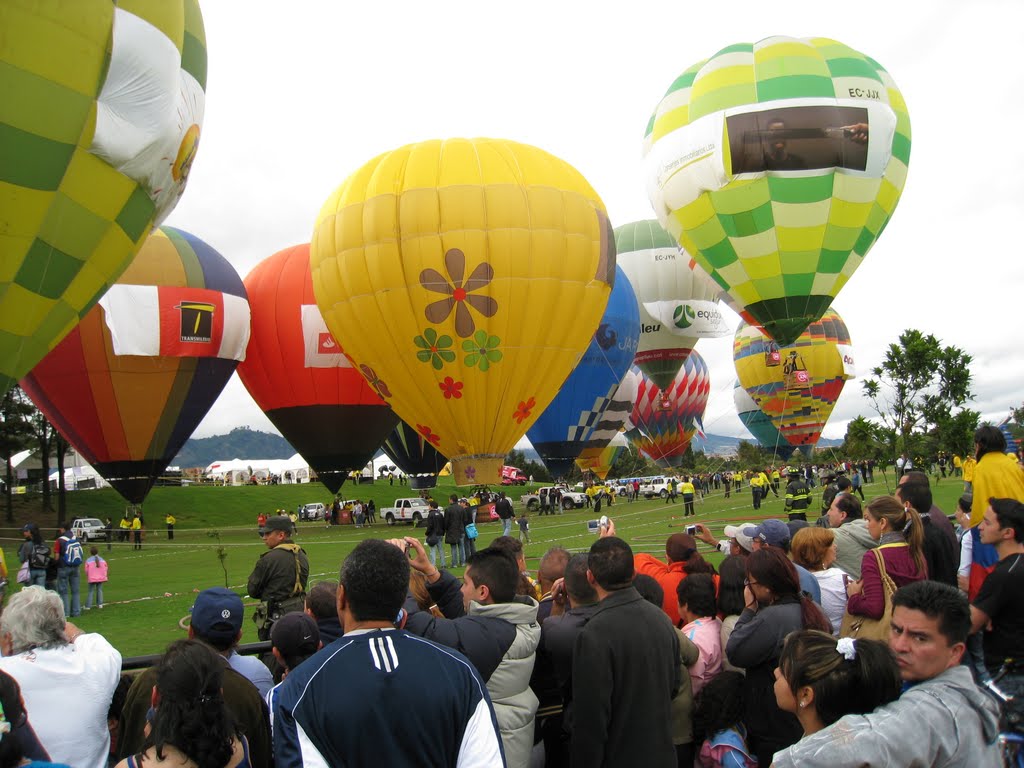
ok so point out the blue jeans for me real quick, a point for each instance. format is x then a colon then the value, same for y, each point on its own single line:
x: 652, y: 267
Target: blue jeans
x: 469, y: 548
x: 506, y: 529
x: 38, y: 577
x: 437, y: 553
x: 456, y: 552
x: 95, y: 589
x: 67, y: 588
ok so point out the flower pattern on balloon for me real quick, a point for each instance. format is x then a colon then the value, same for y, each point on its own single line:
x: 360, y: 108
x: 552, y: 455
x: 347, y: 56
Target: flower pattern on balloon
x: 428, y: 434
x: 451, y: 388
x: 434, y: 349
x: 483, y: 350
x: 470, y: 472
x: 375, y: 381
x: 459, y: 294
x: 524, y: 410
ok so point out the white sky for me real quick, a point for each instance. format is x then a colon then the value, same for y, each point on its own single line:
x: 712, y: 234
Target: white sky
x: 300, y: 94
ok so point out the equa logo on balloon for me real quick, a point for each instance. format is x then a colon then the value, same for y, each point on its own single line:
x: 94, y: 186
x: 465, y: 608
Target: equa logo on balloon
x: 683, y: 316
x: 196, y: 321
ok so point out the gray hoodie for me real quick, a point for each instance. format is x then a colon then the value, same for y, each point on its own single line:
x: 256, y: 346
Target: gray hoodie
x: 945, y: 722
x: 852, y: 541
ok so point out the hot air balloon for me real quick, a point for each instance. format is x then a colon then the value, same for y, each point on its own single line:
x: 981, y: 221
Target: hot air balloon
x: 466, y: 278
x: 129, y: 385
x: 566, y: 425
x: 614, y: 421
x: 796, y: 386
x: 760, y: 424
x: 601, y: 461
x: 665, y: 432
x: 777, y: 165
x: 102, y: 107
x: 677, y: 303
x: 299, y: 376
x: 414, y: 455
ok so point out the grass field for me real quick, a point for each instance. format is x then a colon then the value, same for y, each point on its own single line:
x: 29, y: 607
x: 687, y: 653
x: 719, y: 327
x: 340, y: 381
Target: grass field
x: 150, y: 592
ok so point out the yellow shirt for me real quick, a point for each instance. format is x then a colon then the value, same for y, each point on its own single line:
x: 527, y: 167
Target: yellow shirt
x: 969, y: 464
x: 125, y: 524
x: 137, y: 524
x: 170, y: 520
x: 957, y: 462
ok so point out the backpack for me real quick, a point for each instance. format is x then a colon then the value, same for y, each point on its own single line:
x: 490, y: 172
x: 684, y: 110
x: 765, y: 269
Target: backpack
x: 40, y: 557
x: 72, y: 554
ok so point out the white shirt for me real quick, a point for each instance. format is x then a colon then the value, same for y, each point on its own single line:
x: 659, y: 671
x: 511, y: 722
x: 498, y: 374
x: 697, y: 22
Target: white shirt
x: 67, y: 693
x: 833, y: 595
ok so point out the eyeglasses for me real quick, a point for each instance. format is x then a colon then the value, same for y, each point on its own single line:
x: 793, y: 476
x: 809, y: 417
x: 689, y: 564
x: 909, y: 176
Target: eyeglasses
x: 749, y: 583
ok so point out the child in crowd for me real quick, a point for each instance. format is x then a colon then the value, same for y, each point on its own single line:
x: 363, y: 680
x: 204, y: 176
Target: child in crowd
x: 718, y: 724
x: 524, y: 527
x: 96, y: 575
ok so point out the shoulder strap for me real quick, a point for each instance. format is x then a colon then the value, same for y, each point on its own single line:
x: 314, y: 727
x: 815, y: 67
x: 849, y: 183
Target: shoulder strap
x: 294, y: 549
x: 888, y: 585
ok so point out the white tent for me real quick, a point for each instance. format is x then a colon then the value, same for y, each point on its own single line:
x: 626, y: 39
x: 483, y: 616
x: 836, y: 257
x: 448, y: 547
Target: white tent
x: 241, y: 471
x: 79, y: 478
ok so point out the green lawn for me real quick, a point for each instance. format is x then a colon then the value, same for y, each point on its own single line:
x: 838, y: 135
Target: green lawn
x: 150, y: 592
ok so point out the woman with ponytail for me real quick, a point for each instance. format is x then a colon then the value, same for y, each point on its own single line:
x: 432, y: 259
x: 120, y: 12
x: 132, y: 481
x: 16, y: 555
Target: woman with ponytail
x: 821, y: 678
x: 900, y: 535
x: 189, y: 725
x: 775, y: 606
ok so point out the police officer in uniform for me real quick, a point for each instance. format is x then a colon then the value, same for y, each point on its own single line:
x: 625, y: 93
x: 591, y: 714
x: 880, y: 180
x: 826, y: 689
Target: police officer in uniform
x: 280, y: 577
x: 798, y: 496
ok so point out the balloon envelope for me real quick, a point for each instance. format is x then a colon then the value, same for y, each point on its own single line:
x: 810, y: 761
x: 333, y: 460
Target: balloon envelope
x: 777, y: 165
x: 601, y: 461
x: 667, y: 421
x: 677, y: 303
x: 97, y: 144
x: 759, y: 424
x: 465, y: 277
x: 568, y: 423
x: 796, y: 386
x: 129, y: 385
x: 414, y: 455
x: 300, y: 377
x: 614, y: 420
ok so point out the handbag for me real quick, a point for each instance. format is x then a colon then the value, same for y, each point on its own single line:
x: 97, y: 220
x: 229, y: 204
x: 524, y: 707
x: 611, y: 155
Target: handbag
x: 433, y: 540
x: 24, y: 574
x: 863, y: 627
x: 471, y: 531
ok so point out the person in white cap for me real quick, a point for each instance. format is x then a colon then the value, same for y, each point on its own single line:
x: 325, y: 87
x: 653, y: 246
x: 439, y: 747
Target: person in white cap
x: 736, y: 542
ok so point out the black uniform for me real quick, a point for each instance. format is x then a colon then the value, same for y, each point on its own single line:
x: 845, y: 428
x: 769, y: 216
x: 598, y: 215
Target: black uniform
x: 798, y: 498
x: 279, y: 580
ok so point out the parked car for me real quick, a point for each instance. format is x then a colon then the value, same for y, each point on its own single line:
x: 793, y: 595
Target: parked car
x: 570, y: 499
x: 314, y: 511
x: 410, y: 510
x: 89, y: 529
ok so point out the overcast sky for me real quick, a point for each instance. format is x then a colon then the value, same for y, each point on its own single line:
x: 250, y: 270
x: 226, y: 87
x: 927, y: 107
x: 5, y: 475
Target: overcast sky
x: 300, y: 94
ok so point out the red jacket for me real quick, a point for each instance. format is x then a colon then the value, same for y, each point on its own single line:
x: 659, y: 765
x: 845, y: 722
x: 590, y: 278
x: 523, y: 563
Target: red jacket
x: 900, y: 567
x: 668, y: 576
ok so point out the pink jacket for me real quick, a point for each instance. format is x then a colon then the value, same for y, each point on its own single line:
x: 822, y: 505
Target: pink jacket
x: 706, y: 634
x: 96, y: 569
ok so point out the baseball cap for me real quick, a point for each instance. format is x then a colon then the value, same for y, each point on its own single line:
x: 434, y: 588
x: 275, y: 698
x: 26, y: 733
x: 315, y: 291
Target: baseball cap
x: 737, y: 532
x: 771, y: 532
x: 217, y: 614
x: 295, y: 635
x: 277, y: 523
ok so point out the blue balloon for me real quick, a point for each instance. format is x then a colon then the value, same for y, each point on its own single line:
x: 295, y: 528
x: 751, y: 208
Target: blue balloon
x: 761, y: 427
x: 562, y: 430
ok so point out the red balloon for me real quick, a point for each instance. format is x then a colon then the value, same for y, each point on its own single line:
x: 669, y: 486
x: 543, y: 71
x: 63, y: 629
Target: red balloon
x: 300, y: 377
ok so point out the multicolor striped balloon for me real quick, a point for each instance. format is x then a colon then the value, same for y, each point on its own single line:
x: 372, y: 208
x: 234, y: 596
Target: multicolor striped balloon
x: 129, y: 385
x: 797, y: 385
x: 102, y: 104
x: 759, y: 424
x: 666, y: 420
x: 777, y: 165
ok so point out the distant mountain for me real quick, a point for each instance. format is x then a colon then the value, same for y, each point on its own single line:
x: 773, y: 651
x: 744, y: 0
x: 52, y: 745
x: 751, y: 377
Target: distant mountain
x: 713, y: 445
x: 239, y: 443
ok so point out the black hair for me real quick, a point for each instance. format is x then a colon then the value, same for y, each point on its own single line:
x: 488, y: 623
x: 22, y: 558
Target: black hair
x: 375, y: 576
x: 11, y: 748
x: 843, y: 483
x: 916, y: 476
x: 192, y: 715
x: 916, y: 494
x: 718, y: 706
x: 611, y: 563
x: 432, y: 504
x: 770, y: 568
x: 576, y: 584
x: 841, y: 686
x: 507, y: 544
x: 454, y: 498
x: 1010, y: 514
x: 851, y: 505
x: 322, y: 600
x: 938, y: 601
x: 697, y: 593
x: 649, y: 589
x: 117, y: 700
x: 732, y: 572
x: 989, y: 440
x: 35, y: 533
x: 552, y: 564
x: 496, y: 569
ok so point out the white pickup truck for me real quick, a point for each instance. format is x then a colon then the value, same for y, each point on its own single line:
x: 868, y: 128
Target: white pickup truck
x: 570, y: 499
x: 657, y: 486
x: 406, y: 511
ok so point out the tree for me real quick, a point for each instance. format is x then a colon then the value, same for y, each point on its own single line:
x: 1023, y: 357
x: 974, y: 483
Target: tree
x: 44, y: 435
x: 867, y: 440
x: 920, y: 387
x: 15, y: 435
x: 750, y: 455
